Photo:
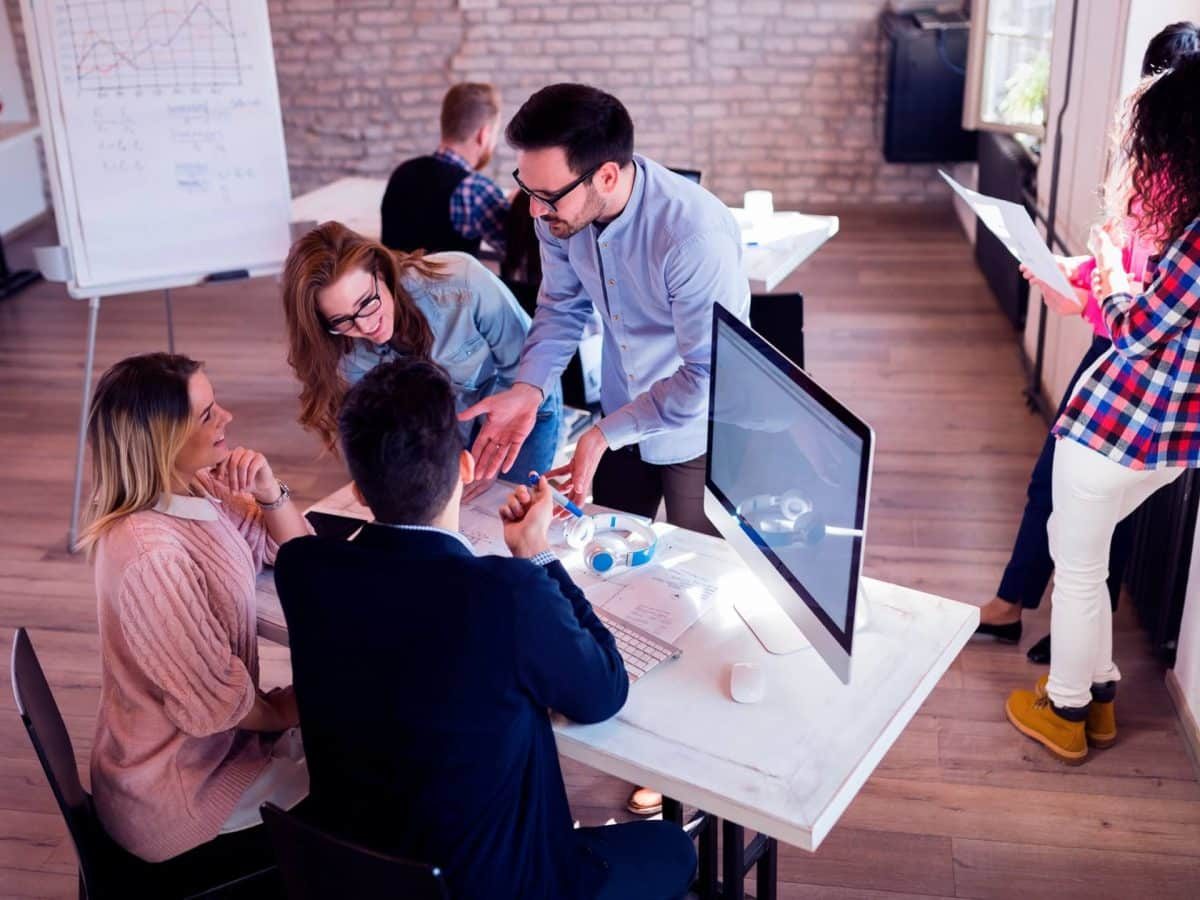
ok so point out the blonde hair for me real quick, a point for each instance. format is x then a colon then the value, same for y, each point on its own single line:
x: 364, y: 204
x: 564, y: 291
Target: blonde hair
x: 139, y: 421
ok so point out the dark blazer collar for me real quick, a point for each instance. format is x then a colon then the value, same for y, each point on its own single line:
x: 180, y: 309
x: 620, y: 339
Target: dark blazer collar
x: 411, y: 542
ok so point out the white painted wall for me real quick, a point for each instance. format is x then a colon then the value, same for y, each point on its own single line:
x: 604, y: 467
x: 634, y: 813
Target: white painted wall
x: 22, y: 195
x: 1187, y: 655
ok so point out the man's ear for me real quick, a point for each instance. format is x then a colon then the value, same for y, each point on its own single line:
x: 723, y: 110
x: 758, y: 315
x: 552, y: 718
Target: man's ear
x: 609, y: 176
x: 466, y: 467
x: 484, y: 134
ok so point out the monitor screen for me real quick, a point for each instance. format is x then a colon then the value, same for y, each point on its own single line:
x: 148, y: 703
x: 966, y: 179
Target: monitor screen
x: 791, y: 467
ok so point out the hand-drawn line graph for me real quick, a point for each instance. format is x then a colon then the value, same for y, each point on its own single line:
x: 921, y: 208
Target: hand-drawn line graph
x: 123, y: 45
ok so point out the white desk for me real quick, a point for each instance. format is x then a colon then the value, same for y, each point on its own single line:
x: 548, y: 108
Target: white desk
x: 20, y: 175
x: 789, y: 765
x: 789, y: 239
x: 355, y: 202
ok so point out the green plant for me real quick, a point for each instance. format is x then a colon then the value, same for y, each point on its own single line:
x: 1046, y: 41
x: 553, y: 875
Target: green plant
x: 1025, y: 90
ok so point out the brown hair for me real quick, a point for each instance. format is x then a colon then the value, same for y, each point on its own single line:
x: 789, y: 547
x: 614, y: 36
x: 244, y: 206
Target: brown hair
x: 139, y: 420
x: 1163, y: 150
x: 317, y: 260
x: 467, y: 107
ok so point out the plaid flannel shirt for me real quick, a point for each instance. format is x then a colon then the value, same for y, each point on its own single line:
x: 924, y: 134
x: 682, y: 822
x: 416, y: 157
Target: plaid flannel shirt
x: 477, y: 207
x: 1140, y: 405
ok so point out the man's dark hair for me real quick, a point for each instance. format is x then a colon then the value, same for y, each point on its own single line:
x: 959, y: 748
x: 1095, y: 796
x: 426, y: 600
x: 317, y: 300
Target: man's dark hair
x: 591, y: 126
x: 400, y: 438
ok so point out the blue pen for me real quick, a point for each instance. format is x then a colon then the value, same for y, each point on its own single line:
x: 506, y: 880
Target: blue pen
x: 559, y: 497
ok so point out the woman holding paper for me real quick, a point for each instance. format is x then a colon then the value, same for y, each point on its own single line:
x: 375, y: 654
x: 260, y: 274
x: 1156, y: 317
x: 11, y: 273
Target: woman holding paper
x: 1132, y: 424
x: 1028, y: 571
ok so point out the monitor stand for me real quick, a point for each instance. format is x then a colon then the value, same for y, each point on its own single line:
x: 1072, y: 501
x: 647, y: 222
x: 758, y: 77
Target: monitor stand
x: 777, y: 633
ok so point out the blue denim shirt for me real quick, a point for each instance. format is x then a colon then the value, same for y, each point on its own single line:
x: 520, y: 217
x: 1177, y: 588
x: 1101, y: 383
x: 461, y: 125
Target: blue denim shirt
x: 653, y: 273
x: 478, y: 329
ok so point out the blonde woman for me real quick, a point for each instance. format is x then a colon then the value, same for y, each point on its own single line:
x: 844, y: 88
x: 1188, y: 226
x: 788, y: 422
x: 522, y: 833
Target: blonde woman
x: 187, y: 747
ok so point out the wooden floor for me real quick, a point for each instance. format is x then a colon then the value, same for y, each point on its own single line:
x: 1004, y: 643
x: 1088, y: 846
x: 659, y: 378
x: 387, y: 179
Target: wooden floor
x: 900, y: 326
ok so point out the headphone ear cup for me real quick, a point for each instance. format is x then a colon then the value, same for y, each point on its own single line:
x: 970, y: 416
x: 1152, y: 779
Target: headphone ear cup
x: 580, y: 531
x: 603, y: 553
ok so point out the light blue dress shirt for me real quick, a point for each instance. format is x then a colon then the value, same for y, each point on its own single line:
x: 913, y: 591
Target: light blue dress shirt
x: 653, y: 273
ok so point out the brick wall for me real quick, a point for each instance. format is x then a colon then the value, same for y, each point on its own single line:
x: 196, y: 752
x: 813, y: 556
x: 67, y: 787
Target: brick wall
x: 775, y: 94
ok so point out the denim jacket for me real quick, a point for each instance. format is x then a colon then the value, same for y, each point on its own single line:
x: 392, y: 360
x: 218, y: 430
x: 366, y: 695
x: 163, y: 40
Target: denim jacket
x: 478, y: 328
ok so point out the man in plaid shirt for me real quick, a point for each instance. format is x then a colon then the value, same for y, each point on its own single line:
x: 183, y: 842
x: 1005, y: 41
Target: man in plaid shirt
x: 444, y: 201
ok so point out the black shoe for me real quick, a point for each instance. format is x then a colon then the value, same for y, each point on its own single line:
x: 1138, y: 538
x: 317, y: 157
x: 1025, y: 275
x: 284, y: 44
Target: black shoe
x: 1007, y: 634
x: 1040, y: 652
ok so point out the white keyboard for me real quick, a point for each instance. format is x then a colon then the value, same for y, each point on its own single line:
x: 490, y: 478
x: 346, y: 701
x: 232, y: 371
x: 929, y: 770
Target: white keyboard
x: 640, y: 650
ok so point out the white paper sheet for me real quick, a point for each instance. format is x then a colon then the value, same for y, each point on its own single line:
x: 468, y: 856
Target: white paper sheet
x: 1011, y: 224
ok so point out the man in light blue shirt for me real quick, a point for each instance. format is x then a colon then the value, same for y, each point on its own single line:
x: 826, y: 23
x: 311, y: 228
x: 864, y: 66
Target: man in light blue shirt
x: 652, y: 252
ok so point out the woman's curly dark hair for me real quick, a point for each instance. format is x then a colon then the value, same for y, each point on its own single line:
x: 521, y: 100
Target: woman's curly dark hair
x: 1163, y: 148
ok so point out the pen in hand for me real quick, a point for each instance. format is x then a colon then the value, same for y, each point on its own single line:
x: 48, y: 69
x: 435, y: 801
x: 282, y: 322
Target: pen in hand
x: 559, y: 497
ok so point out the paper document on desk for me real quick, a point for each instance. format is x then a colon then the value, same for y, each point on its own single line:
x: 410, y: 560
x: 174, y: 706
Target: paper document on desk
x: 664, y: 597
x: 1011, y: 224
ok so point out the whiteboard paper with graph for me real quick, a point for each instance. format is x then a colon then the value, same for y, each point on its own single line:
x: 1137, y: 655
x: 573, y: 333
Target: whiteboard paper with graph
x: 164, y: 139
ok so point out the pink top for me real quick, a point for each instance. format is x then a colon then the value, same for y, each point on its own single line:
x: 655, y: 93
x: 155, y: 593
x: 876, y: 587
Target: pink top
x: 179, y: 669
x: 1135, y: 258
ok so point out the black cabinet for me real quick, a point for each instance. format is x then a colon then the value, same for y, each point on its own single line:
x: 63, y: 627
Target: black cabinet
x: 926, y: 71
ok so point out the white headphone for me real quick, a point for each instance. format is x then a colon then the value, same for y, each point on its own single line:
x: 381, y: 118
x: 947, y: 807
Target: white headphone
x: 604, y: 545
x: 782, y: 519
x: 789, y: 518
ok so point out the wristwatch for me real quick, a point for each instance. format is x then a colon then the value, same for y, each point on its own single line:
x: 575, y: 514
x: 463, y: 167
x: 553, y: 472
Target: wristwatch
x: 285, y: 494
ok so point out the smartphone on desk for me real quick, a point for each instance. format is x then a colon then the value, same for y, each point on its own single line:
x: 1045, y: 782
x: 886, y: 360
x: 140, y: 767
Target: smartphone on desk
x: 340, y: 528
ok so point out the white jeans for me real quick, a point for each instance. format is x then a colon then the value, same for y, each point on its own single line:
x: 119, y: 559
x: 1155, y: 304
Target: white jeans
x: 1091, y: 494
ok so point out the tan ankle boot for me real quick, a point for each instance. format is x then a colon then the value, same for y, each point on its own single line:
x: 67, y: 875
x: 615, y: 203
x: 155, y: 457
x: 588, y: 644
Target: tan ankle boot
x: 1101, y: 725
x: 1036, y: 718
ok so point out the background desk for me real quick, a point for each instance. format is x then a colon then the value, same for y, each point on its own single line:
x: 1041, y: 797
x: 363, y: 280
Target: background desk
x: 355, y: 202
x: 789, y: 765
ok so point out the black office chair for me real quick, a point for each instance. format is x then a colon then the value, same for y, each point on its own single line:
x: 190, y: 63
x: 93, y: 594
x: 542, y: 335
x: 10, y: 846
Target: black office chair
x: 106, y: 870
x: 780, y: 319
x: 317, y: 865
x: 689, y: 174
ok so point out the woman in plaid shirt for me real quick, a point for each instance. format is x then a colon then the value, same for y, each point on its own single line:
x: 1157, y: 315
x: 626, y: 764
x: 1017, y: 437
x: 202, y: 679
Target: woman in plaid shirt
x: 1132, y: 424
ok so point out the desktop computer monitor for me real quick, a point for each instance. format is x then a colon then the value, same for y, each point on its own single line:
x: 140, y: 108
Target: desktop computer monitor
x: 787, y: 482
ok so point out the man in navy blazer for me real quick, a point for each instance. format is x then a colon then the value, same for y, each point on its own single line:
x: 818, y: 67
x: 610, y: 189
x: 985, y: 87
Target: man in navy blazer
x: 425, y: 674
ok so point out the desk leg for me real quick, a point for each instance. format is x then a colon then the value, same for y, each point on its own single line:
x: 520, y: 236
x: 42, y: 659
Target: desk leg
x: 89, y: 361
x: 672, y: 811
x: 707, y: 885
x: 767, y: 876
x: 170, y: 321
x: 733, y: 862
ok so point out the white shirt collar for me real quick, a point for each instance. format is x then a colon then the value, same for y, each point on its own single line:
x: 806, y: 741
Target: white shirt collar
x: 181, y: 506
x: 454, y: 534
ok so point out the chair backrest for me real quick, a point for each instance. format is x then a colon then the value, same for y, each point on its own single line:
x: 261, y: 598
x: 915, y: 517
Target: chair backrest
x: 48, y: 733
x: 315, y: 864
x: 689, y: 174
x: 780, y: 319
